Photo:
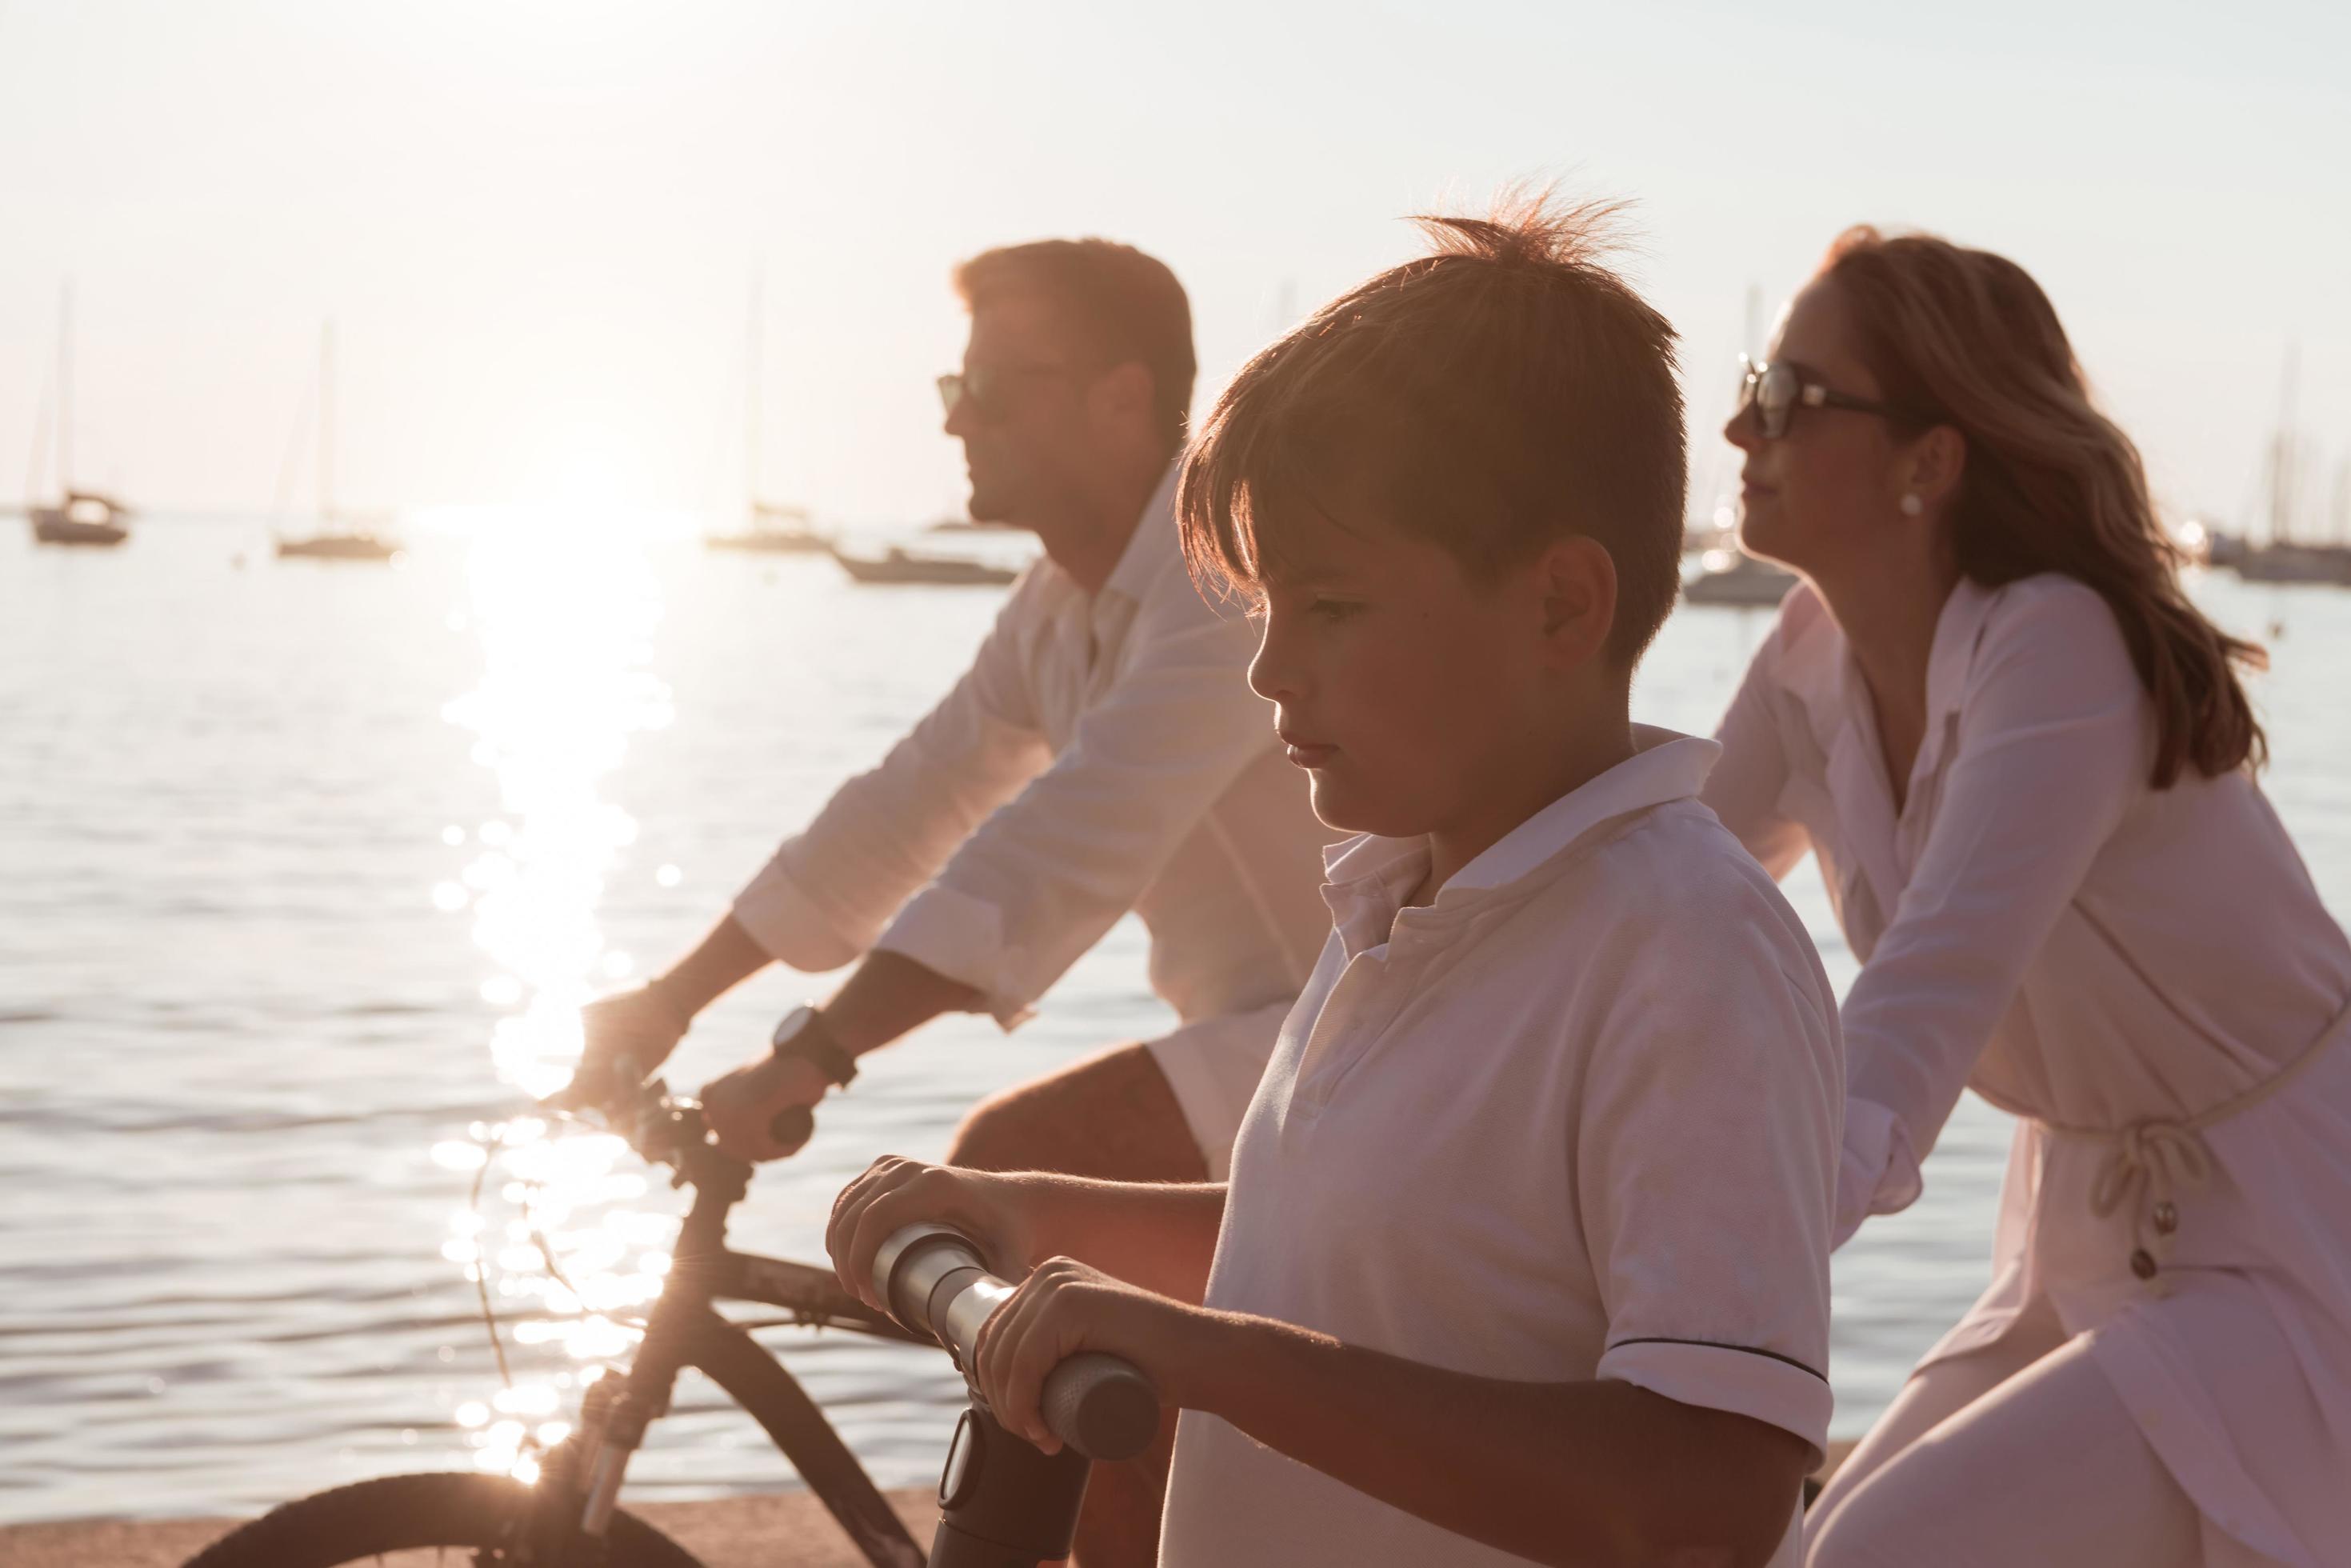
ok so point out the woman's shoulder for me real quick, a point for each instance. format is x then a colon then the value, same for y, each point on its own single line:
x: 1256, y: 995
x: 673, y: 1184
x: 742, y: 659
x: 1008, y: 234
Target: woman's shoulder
x: 2049, y: 615
x: 2048, y: 593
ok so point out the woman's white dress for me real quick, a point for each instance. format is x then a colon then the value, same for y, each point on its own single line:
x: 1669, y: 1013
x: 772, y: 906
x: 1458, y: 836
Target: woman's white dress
x: 2146, y: 978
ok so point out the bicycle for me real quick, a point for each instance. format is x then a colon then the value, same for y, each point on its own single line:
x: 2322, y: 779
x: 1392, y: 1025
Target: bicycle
x: 1004, y: 1503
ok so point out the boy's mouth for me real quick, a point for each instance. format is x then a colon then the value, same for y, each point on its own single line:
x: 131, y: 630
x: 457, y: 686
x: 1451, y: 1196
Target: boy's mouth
x: 1303, y: 752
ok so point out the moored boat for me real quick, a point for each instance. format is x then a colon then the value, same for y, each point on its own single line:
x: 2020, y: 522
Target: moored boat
x: 1731, y: 577
x: 900, y: 566
x: 78, y: 516
x: 340, y: 536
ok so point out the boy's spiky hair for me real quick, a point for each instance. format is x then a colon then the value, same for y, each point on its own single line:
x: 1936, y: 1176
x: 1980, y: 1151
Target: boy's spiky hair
x: 1493, y: 395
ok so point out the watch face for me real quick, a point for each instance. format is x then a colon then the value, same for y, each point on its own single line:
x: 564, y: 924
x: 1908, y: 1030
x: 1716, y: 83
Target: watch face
x: 793, y: 1022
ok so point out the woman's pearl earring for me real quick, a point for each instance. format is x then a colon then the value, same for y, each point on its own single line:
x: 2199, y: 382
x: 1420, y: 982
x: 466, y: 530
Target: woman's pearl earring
x: 1913, y: 506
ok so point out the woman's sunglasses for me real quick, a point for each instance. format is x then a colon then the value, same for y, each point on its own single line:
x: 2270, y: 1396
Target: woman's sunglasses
x: 1775, y: 391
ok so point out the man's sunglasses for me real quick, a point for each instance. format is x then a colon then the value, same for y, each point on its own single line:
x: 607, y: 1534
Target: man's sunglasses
x: 1775, y: 391
x: 985, y: 387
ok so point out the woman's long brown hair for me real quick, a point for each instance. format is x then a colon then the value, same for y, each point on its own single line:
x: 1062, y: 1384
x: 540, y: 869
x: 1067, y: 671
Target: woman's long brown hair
x: 1967, y: 338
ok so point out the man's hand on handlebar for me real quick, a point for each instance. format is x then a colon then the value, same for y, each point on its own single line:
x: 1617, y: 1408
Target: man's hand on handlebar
x: 625, y: 1038
x: 764, y: 1110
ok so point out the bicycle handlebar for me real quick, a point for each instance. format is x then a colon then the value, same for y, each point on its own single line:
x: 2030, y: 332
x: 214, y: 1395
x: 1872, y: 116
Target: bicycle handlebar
x: 934, y: 1280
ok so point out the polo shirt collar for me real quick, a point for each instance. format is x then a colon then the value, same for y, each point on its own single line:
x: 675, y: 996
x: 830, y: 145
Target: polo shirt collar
x: 1369, y: 877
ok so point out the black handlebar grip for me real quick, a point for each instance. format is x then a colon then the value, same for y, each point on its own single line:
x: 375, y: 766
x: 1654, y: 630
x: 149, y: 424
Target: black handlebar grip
x: 793, y: 1128
x: 1101, y: 1406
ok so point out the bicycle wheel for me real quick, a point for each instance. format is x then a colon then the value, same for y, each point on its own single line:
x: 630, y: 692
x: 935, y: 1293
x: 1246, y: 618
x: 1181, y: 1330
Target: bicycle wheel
x: 427, y: 1517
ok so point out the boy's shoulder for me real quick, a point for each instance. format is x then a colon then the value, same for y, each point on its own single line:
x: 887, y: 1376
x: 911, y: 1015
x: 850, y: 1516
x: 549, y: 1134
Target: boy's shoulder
x: 1681, y: 894
x: 1674, y: 858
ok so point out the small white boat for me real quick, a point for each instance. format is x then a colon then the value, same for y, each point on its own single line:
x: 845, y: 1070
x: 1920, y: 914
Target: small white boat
x: 770, y: 527
x: 83, y: 517
x: 340, y: 536
x: 77, y: 517
x: 784, y: 530
x: 357, y: 545
x: 1729, y: 577
x: 899, y: 566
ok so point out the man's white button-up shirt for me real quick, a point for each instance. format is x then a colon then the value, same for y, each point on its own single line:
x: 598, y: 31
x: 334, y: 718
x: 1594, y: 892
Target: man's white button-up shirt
x: 1104, y: 753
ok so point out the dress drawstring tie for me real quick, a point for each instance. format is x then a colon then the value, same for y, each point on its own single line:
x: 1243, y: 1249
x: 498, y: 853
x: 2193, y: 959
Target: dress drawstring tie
x: 2154, y: 1159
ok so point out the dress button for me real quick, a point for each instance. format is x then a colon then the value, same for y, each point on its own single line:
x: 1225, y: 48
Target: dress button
x: 2143, y: 1264
x: 2167, y: 1218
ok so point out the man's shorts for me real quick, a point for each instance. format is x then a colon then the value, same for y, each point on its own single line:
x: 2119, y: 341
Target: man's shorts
x: 1214, y: 1065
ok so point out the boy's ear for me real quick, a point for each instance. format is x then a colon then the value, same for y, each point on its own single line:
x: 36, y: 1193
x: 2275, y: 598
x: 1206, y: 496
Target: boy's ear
x: 1579, y: 588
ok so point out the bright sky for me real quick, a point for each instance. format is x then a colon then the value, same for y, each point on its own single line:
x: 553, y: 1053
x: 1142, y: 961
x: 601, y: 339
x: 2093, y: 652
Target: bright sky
x: 534, y: 221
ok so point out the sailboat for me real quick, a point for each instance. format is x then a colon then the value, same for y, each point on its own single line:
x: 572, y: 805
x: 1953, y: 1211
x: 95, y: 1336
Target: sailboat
x: 1726, y: 574
x: 340, y: 536
x: 2287, y: 556
x: 898, y: 565
x: 78, y: 516
x: 769, y: 526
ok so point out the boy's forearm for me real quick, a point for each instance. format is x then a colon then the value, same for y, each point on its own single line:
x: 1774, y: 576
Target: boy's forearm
x: 1160, y: 1236
x: 1590, y: 1473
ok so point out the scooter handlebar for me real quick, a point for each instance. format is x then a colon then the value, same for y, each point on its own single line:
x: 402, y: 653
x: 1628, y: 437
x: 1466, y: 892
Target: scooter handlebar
x: 935, y: 1281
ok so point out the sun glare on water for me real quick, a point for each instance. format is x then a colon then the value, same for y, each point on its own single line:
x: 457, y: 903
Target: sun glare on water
x: 565, y: 607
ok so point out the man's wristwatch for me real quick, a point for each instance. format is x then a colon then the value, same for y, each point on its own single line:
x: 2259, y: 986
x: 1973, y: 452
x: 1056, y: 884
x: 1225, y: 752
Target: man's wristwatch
x: 803, y: 1034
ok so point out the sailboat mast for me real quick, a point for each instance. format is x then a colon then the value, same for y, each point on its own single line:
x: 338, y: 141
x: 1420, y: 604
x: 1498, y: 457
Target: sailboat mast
x: 2282, y: 456
x: 64, y: 389
x: 752, y: 356
x: 326, y: 423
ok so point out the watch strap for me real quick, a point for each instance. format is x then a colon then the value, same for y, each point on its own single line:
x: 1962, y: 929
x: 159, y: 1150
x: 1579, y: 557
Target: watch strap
x: 814, y: 1043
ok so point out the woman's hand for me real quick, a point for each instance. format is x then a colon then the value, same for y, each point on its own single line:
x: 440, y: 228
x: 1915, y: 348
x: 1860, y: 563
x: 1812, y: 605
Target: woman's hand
x: 1000, y: 1213
x: 1063, y: 1308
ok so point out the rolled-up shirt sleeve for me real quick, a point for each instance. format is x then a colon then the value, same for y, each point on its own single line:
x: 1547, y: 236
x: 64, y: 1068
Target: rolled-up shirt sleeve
x: 830, y: 890
x: 1705, y: 1165
x: 2055, y: 744
x: 1039, y: 881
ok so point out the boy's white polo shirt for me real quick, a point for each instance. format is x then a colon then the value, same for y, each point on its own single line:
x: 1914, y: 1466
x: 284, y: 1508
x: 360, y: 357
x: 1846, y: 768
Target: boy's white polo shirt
x: 1576, y: 1119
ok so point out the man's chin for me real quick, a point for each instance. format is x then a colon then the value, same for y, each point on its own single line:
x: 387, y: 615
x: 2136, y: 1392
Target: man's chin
x: 988, y: 506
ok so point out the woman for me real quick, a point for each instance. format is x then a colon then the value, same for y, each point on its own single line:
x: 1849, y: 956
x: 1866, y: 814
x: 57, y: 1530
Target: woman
x: 2025, y: 761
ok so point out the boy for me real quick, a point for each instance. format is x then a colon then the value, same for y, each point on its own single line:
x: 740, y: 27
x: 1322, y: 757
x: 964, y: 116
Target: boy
x: 1524, y: 1253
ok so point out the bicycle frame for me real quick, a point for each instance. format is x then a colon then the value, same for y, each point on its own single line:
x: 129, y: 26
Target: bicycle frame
x: 582, y: 1478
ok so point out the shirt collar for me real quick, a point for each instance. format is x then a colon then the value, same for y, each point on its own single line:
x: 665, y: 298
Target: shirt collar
x: 1150, y: 547
x: 1958, y: 629
x: 1370, y: 877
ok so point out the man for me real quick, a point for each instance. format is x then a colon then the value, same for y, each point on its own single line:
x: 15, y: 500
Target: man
x: 1104, y: 753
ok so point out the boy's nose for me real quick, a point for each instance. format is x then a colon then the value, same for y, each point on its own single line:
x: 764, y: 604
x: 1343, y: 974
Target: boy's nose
x: 1266, y: 676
